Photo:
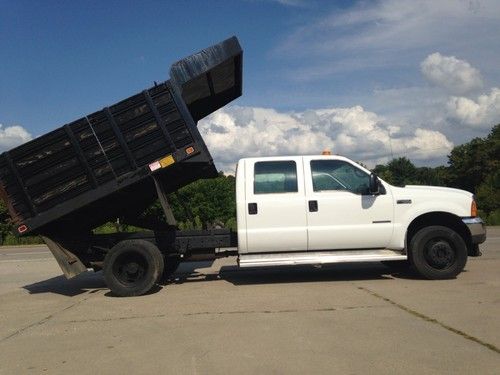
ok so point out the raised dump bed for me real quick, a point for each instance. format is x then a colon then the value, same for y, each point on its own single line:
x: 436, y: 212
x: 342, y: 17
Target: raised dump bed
x: 99, y: 167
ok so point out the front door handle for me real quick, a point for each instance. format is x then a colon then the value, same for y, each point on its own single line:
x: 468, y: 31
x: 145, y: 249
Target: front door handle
x: 313, y: 206
x: 252, y: 208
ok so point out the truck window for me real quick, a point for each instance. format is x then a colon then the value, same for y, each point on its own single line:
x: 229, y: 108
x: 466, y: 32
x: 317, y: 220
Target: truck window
x: 330, y: 175
x: 275, y: 177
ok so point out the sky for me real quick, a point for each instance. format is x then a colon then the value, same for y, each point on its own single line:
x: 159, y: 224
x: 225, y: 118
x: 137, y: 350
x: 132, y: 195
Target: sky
x: 370, y: 80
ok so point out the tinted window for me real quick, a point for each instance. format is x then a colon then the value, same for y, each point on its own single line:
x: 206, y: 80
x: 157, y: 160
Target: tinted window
x: 275, y: 177
x: 339, y: 175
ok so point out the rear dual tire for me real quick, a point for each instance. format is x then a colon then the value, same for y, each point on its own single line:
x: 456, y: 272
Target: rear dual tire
x: 132, y: 267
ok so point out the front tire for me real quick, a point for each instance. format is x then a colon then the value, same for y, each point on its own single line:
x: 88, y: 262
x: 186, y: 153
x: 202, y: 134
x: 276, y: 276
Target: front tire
x: 438, y: 252
x: 132, y: 267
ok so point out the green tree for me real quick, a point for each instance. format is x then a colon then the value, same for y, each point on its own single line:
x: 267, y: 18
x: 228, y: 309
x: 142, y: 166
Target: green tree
x: 431, y: 176
x: 488, y: 193
x: 472, y: 162
x: 203, y: 203
x: 467, y: 164
x: 5, y: 226
x: 403, y: 171
x: 384, y: 173
x: 475, y: 167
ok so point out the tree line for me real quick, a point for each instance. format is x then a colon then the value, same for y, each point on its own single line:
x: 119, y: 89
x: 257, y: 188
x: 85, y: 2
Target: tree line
x: 473, y: 166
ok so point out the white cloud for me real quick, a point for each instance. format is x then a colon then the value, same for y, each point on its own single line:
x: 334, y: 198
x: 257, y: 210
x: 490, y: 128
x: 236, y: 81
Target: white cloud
x: 482, y: 113
x: 293, y: 3
x: 433, y: 108
x: 370, y: 53
x: 391, y: 33
x: 428, y: 144
x: 395, y: 24
x: 12, y: 136
x: 455, y: 75
x: 235, y: 132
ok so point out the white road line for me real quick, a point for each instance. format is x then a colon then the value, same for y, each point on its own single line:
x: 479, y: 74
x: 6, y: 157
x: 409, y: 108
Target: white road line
x: 25, y: 260
x: 27, y: 253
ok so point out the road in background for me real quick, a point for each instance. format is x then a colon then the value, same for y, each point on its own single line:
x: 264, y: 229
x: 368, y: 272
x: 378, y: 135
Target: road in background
x: 216, y: 318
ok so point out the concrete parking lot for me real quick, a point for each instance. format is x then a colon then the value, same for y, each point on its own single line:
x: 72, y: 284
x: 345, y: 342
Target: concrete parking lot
x: 216, y: 319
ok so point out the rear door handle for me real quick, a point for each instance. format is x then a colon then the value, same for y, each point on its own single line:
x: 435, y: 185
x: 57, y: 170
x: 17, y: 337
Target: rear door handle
x: 313, y: 206
x: 252, y: 208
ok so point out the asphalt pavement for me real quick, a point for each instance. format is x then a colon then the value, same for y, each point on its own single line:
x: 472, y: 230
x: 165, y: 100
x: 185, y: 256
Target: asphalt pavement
x: 214, y: 318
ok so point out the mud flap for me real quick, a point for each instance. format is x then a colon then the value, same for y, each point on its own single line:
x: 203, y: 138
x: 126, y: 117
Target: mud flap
x: 70, y: 264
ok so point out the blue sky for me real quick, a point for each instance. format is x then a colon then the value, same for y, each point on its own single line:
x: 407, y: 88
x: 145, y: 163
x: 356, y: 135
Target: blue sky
x: 61, y: 59
x: 367, y: 79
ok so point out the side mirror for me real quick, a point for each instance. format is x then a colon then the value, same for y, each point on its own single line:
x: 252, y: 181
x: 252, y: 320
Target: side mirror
x: 374, y: 184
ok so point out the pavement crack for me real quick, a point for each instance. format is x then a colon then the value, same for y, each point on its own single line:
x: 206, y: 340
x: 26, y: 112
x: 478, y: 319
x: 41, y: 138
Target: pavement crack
x: 234, y: 312
x: 432, y: 320
x: 44, y: 320
x: 283, y: 311
x: 114, y: 319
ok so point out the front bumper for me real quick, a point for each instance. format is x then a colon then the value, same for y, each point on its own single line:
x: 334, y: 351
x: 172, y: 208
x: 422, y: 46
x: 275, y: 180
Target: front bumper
x: 477, y: 229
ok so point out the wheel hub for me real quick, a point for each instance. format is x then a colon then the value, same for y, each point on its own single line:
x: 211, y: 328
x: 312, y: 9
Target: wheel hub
x: 440, y: 254
x: 130, y: 268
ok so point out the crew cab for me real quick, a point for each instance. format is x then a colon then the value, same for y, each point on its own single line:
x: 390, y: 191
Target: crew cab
x: 327, y: 208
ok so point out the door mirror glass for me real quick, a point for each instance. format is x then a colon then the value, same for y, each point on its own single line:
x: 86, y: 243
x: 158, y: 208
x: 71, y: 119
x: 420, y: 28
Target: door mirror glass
x: 374, y: 184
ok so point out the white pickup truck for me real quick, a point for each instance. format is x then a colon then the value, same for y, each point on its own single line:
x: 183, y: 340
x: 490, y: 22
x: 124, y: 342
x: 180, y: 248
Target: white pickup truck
x: 291, y: 210
x: 327, y: 209
x: 114, y: 163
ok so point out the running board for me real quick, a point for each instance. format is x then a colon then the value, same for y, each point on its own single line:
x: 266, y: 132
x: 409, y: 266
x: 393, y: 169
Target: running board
x: 319, y: 257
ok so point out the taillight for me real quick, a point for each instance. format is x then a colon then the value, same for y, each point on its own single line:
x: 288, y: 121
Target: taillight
x: 473, y: 209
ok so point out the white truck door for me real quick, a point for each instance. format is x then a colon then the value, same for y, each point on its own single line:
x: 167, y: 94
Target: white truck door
x: 341, y: 212
x: 275, y: 205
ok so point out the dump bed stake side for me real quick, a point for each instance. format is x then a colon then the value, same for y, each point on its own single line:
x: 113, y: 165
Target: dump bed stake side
x: 81, y: 157
x: 158, y: 119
